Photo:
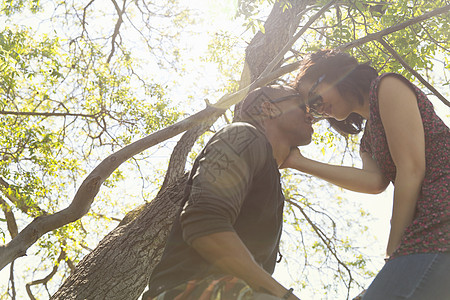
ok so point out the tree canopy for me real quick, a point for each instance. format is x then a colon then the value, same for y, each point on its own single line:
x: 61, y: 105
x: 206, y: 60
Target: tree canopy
x: 96, y: 94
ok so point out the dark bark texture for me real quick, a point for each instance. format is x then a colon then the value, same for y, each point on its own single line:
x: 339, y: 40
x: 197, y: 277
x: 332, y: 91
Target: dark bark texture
x: 120, y: 266
x: 279, y: 27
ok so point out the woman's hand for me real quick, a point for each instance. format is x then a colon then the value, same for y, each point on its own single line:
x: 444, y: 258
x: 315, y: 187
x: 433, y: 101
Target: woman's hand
x: 390, y: 249
x: 293, y: 160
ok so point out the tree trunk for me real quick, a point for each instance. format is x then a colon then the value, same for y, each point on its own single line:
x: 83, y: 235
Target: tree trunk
x: 120, y: 266
x: 279, y: 27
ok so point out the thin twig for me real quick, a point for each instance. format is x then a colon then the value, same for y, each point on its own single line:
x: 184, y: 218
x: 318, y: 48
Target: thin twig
x: 106, y: 217
x: 47, y: 278
x: 436, y: 42
x: 71, y: 265
x: 84, y: 17
x: 11, y: 278
x: 326, y: 241
x: 81, y: 244
x: 116, y: 28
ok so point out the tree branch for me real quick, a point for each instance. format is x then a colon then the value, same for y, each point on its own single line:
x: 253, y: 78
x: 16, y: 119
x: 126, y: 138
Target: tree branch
x: 325, y: 240
x: 20, y: 203
x: 84, y: 197
x: 10, y: 219
x: 45, y: 114
x: 47, y: 278
x: 368, y: 38
x: 179, y: 154
x: 117, y: 27
x: 380, y: 34
x: 275, y: 61
x: 412, y: 71
x: 11, y: 278
x: 84, y: 16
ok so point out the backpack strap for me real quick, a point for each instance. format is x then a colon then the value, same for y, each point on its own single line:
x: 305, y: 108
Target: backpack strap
x: 188, y: 187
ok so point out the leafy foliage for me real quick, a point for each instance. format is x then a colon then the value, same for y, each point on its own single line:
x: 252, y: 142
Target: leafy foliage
x: 63, y: 106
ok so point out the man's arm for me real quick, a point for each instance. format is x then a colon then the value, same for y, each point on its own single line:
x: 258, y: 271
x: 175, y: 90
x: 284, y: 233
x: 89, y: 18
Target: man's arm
x: 226, y: 251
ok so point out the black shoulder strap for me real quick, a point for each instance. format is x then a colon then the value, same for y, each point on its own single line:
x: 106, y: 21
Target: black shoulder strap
x: 188, y: 187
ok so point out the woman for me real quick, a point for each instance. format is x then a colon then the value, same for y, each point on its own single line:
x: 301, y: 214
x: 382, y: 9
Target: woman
x: 404, y: 142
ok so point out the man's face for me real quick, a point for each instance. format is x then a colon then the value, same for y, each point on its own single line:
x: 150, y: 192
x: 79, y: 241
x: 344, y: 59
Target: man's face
x: 293, y: 120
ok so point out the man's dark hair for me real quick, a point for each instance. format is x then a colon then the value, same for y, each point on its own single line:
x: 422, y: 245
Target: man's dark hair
x: 346, y: 74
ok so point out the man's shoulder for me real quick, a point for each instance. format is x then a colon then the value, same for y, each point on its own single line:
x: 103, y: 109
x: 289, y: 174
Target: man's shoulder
x: 242, y: 126
x: 242, y: 136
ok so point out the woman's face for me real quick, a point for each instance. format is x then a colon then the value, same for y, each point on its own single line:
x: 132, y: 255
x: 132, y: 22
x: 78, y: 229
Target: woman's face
x: 325, y: 100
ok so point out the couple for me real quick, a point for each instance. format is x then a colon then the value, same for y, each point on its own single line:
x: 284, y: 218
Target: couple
x: 224, y: 243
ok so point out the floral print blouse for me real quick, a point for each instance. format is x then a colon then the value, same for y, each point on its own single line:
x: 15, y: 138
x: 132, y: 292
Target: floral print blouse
x: 430, y: 229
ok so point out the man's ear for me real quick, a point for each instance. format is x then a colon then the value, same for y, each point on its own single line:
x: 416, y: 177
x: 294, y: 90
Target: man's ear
x: 270, y: 110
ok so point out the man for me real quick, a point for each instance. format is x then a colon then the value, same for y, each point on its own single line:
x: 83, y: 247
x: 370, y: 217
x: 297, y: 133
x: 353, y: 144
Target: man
x: 224, y: 244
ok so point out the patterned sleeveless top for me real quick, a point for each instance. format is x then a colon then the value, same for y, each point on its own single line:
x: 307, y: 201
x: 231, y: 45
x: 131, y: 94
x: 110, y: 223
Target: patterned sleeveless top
x: 430, y: 229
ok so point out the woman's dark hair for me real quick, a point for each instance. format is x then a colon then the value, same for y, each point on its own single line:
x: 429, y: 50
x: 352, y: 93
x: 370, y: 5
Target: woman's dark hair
x: 346, y: 74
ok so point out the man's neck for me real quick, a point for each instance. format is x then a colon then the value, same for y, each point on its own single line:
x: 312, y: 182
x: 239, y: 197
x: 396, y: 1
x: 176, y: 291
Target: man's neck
x: 280, y: 148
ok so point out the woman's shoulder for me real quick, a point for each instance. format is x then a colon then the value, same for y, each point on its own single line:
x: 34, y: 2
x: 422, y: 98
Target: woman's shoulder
x: 387, y: 79
x: 393, y: 77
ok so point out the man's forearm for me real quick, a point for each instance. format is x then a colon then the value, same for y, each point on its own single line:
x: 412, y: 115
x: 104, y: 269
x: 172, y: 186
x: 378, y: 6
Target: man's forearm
x: 226, y: 251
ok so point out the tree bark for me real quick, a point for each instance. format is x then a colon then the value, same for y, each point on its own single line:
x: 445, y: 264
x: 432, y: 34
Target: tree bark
x: 120, y: 266
x: 279, y: 27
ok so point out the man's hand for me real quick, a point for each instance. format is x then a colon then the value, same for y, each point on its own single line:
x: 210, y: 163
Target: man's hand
x: 226, y: 251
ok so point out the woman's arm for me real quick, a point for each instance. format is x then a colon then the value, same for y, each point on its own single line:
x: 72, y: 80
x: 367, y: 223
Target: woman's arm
x: 403, y: 125
x: 369, y: 179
